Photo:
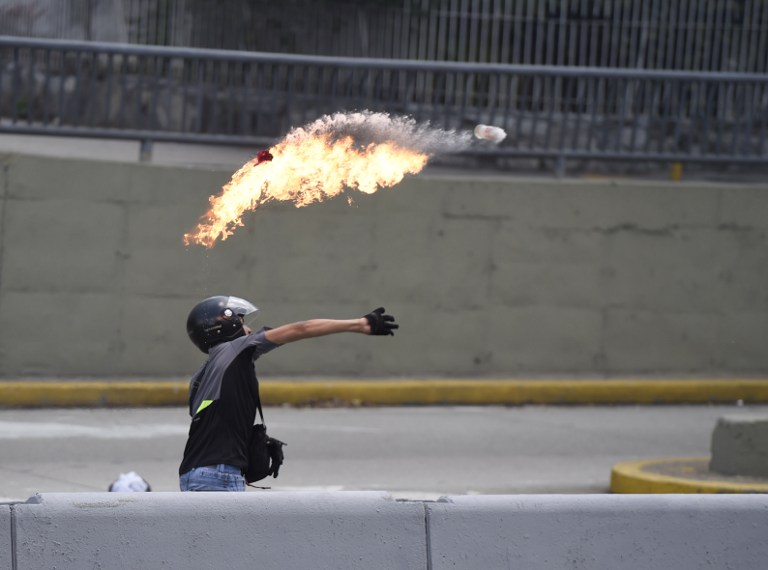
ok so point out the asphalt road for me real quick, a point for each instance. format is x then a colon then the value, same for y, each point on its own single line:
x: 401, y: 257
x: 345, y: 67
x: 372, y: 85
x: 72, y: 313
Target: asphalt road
x: 411, y: 452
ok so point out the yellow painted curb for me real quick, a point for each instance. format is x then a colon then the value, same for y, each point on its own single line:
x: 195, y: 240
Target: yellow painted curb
x: 397, y: 392
x: 92, y: 393
x: 517, y: 392
x: 642, y: 477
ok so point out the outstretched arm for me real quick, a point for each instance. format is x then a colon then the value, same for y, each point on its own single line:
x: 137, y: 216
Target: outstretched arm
x: 375, y: 322
x: 313, y: 328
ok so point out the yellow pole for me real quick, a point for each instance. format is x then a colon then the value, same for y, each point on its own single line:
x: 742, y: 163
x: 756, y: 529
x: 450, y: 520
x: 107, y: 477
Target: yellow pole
x: 676, y: 173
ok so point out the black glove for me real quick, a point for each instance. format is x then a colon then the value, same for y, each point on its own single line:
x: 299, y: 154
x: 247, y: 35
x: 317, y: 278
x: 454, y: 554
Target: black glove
x: 275, y: 448
x: 381, y: 324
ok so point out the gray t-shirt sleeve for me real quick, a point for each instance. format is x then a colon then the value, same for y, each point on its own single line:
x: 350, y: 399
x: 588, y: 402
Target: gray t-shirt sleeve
x: 259, y: 341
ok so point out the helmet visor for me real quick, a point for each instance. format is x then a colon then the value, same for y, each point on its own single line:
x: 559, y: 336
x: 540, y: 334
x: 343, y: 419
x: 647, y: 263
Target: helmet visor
x: 242, y: 308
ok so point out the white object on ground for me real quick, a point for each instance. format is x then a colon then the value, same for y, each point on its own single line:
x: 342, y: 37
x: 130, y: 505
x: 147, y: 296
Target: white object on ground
x: 130, y: 482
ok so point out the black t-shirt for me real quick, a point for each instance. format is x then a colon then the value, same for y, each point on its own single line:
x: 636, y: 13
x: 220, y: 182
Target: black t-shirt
x: 223, y: 395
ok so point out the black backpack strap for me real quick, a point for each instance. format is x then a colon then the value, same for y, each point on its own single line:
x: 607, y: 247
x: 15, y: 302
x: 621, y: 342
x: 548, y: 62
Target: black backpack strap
x: 258, y: 404
x: 194, y: 384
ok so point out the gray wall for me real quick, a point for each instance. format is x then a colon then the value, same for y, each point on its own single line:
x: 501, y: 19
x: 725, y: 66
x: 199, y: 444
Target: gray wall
x: 370, y: 530
x: 490, y: 276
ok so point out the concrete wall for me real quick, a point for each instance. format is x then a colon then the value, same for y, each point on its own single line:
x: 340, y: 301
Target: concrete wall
x: 494, y: 276
x: 370, y: 530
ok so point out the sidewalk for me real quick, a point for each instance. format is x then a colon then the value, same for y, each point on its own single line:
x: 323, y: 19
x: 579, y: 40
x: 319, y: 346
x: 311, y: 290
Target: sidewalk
x: 389, y: 392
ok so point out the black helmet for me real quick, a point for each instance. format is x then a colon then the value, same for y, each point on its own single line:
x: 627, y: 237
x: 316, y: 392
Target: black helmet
x: 217, y: 319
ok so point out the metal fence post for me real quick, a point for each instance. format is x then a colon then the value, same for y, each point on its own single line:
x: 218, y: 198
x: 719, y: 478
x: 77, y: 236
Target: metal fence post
x: 560, y: 165
x: 145, y: 150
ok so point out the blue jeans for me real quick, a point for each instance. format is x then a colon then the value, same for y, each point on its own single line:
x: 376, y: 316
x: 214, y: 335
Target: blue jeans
x: 213, y: 478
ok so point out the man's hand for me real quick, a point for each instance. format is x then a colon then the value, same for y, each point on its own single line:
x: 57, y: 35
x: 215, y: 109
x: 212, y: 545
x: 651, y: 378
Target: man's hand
x: 275, y: 448
x: 381, y: 324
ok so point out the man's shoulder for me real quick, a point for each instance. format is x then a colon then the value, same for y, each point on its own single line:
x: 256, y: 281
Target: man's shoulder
x: 255, y: 341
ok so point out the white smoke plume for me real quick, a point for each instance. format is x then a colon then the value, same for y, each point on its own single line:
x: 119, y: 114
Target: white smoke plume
x: 368, y: 127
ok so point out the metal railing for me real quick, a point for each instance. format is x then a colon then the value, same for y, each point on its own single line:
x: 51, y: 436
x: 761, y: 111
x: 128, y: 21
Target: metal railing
x: 176, y: 94
x: 694, y: 35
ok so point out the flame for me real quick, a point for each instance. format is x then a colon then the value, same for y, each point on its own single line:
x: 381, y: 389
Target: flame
x: 304, y: 170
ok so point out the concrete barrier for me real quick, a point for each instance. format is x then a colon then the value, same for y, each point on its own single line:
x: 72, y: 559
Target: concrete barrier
x: 740, y: 446
x: 6, y: 562
x: 370, y: 530
x: 599, y: 532
x: 219, y: 530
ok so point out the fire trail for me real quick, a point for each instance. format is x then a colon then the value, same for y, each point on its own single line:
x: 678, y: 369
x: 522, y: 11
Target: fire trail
x: 362, y: 151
